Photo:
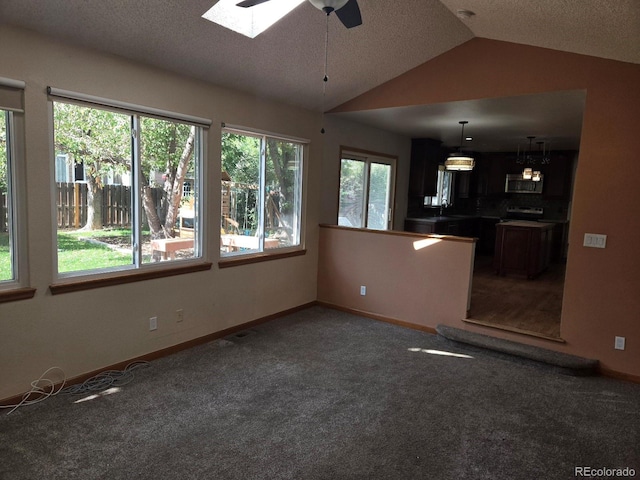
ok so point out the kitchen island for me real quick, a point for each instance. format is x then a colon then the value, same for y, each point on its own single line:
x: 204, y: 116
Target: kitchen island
x: 523, y: 247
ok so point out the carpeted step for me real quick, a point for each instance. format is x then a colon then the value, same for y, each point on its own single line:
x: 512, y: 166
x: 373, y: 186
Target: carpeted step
x: 569, y: 363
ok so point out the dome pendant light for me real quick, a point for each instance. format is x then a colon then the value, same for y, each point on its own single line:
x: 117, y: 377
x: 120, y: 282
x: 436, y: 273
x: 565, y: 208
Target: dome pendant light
x: 460, y: 162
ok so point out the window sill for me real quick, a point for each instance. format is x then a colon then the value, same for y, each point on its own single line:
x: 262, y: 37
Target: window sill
x: 76, y: 286
x: 17, y: 294
x: 257, y: 258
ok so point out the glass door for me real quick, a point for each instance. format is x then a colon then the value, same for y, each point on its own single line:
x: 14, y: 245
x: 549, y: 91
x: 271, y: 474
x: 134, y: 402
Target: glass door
x: 366, y: 191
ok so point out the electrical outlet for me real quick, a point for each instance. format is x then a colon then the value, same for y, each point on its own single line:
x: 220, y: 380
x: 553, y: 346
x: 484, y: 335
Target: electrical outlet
x: 363, y: 290
x: 153, y: 323
x: 179, y: 315
x: 595, y: 240
x: 619, y: 343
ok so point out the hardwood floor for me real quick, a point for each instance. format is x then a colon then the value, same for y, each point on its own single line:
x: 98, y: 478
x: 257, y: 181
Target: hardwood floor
x: 515, y: 303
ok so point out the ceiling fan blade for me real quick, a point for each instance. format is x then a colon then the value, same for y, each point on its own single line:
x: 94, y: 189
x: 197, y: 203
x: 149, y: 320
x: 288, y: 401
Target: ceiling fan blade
x: 349, y: 15
x: 250, y: 3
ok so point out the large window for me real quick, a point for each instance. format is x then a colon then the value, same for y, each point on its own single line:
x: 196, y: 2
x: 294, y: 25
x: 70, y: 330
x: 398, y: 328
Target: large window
x: 261, y: 192
x: 127, y: 188
x: 366, y: 191
x: 7, y: 239
x: 12, y: 234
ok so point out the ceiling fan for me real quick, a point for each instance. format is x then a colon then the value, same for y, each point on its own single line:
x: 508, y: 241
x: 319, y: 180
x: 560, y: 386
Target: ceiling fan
x: 347, y: 10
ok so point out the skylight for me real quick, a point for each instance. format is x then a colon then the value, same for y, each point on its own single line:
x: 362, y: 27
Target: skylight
x: 251, y: 21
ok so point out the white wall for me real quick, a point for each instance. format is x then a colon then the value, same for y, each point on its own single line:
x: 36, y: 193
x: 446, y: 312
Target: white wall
x: 84, y: 331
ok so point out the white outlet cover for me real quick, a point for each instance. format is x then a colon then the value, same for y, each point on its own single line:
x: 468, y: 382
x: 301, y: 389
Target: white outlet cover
x: 619, y: 343
x: 595, y: 240
x: 153, y: 323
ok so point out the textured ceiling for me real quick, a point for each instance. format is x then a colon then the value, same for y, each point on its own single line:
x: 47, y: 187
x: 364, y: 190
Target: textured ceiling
x: 286, y: 62
x: 601, y: 28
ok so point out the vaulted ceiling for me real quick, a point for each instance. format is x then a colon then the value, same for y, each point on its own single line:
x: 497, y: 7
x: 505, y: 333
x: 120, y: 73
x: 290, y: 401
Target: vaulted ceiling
x: 286, y: 62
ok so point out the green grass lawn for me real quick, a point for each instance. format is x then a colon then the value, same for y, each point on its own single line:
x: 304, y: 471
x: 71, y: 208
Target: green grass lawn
x: 76, y: 254
x: 5, y: 258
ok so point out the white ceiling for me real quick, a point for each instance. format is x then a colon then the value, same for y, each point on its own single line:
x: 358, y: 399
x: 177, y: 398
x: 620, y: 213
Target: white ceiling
x: 286, y: 62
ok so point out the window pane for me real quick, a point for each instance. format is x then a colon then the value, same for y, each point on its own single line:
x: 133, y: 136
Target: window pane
x: 261, y: 193
x: 7, y: 267
x: 282, y: 194
x: 240, y: 189
x: 350, y: 212
x: 169, y: 184
x: 379, y: 184
x: 94, y: 218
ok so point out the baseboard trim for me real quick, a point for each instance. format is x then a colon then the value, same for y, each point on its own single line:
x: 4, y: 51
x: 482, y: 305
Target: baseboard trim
x: 375, y: 316
x: 253, y: 323
x: 164, y: 352
x: 605, y: 372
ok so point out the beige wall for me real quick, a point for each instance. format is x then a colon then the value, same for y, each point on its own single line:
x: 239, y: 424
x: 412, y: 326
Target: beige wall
x: 405, y: 279
x: 601, y: 297
x: 84, y: 331
x: 88, y: 330
x: 342, y: 133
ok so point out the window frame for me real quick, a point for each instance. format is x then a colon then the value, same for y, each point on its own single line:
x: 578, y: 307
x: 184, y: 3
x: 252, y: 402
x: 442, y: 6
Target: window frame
x: 368, y: 157
x: 11, y: 104
x: 137, y: 270
x: 261, y: 254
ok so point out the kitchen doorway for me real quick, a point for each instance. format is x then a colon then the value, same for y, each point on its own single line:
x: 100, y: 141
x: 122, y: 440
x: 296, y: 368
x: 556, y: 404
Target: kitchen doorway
x: 532, y: 307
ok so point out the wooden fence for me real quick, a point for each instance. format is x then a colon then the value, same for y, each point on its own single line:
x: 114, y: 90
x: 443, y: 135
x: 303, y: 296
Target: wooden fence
x: 71, y: 202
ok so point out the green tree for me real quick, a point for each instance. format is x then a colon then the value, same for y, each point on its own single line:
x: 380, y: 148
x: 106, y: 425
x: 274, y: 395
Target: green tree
x: 241, y: 158
x: 3, y: 153
x: 166, y: 147
x: 98, y: 139
x: 101, y: 140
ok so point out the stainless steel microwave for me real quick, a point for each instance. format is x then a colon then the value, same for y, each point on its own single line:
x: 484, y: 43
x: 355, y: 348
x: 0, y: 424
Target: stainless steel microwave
x: 516, y: 184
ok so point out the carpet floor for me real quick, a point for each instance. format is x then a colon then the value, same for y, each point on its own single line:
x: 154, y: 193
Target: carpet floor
x: 321, y: 394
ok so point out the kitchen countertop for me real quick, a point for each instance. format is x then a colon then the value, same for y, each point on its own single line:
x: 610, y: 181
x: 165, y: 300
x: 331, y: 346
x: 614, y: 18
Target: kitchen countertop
x: 443, y: 218
x: 527, y: 223
x: 448, y: 218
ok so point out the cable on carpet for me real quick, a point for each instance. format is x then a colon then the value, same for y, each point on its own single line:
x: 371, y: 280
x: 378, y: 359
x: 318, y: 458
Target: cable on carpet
x: 42, y: 388
x: 106, y: 379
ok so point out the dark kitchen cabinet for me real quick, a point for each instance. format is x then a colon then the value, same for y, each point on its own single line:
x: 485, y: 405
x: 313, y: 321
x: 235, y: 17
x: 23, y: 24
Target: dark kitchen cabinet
x: 557, y: 174
x: 490, y: 173
x: 426, y: 155
x: 419, y: 226
x: 463, y: 184
x: 522, y: 248
x: 458, y: 226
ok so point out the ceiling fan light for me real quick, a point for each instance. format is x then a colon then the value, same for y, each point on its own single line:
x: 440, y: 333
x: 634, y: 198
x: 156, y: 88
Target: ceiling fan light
x: 459, y: 162
x: 331, y: 4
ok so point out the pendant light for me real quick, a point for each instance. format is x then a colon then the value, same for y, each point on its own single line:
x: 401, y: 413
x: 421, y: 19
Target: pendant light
x: 459, y: 162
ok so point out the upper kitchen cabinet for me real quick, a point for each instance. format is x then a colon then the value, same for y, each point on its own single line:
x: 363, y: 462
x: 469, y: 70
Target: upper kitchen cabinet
x: 490, y: 173
x: 426, y: 155
x: 558, y: 174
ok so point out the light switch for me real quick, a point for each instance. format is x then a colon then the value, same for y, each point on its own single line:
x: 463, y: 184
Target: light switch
x: 595, y: 240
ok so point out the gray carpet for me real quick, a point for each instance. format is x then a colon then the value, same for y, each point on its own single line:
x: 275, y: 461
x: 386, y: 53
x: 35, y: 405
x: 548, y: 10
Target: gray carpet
x: 321, y: 394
